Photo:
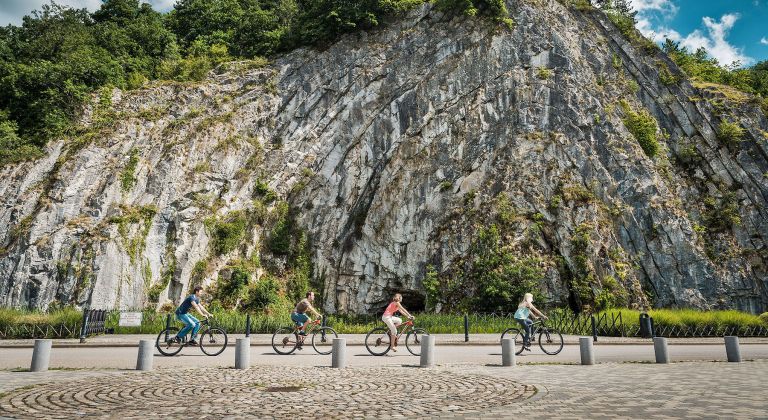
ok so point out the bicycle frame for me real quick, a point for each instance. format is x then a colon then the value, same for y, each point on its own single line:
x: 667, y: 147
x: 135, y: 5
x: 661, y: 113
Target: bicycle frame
x: 404, y: 328
x: 205, y: 325
x: 308, y: 328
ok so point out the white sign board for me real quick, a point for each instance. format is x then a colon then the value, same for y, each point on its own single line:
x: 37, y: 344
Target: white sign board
x: 130, y: 319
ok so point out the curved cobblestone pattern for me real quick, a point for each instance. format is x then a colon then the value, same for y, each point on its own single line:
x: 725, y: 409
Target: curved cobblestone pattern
x: 268, y: 392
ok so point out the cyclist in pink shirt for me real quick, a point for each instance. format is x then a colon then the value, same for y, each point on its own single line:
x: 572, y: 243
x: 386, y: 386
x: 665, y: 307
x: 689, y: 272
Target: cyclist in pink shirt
x: 391, y: 320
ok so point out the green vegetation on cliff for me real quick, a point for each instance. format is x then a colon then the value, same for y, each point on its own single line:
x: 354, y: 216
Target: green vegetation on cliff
x: 54, y: 61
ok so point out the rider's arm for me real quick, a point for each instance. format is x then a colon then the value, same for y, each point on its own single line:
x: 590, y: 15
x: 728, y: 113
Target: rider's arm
x: 199, y: 308
x: 533, y: 309
x: 402, y: 309
x: 313, y: 310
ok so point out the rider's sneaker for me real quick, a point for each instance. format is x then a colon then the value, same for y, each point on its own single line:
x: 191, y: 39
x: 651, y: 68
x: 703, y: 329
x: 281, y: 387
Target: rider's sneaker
x: 174, y: 340
x: 527, y: 348
x: 298, y: 347
x: 192, y: 342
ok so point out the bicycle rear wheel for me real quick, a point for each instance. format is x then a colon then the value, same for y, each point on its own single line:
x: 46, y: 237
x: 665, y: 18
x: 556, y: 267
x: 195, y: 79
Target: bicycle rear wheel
x: 285, y: 340
x: 213, y: 341
x: 551, y: 342
x: 322, y: 340
x: 378, y: 342
x: 413, y: 340
x: 517, y: 338
x: 168, y: 348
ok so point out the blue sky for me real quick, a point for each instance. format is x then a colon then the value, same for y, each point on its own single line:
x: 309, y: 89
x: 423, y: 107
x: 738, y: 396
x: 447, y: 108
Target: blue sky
x: 731, y: 30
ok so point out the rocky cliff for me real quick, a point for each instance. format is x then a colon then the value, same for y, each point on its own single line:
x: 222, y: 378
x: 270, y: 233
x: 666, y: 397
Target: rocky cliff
x: 392, y: 148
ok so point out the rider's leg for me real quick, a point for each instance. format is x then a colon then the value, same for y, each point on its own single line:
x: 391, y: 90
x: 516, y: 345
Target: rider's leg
x: 195, y: 327
x: 188, y: 324
x: 390, y: 321
x: 528, y: 327
x: 396, y: 321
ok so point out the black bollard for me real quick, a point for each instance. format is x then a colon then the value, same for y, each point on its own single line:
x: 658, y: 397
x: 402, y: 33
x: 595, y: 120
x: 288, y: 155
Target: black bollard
x: 167, y: 326
x: 466, y: 328
x: 322, y: 334
x: 248, y: 325
x: 84, y: 329
x: 594, y: 329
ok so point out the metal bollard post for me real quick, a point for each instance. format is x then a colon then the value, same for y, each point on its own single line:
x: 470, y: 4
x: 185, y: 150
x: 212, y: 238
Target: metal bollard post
x: 594, y: 329
x: 427, y: 351
x: 732, y: 348
x: 248, y: 325
x: 41, y: 355
x: 661, y: 349
x: 243, y: 353
x: 144, y: 361
x: 586, y: 349
x: 167, y: 326
x: 339, y: 353
x: 466, y: 328
x: 323, y: 324
x: 84, y: 328
x: 508, y: 352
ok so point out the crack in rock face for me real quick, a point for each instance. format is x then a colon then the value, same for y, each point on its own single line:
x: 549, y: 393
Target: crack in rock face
x: 393, y: 149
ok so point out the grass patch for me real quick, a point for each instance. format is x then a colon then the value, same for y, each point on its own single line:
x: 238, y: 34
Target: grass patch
x: 228, y: 233
x: 128, y: 174
x: 545, y: 73
x: 643, y: 127
x: 730, y: 133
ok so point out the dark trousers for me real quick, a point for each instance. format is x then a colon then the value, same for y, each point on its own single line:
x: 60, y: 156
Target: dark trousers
x: 526, y: 324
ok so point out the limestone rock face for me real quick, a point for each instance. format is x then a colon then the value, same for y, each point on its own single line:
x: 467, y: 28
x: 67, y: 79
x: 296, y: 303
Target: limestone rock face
x: 391, y: 147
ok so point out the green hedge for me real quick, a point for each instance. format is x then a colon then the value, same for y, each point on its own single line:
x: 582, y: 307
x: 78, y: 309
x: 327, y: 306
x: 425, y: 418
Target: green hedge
x: 264, y: 323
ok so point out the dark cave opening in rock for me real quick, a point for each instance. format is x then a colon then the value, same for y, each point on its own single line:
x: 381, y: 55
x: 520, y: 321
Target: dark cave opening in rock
x: 413, y: 301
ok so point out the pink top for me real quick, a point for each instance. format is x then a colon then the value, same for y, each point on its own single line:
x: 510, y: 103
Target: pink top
x: 391, y: 309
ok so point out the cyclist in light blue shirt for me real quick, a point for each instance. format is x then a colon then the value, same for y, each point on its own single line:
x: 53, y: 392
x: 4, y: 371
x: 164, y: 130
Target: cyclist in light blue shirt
x: 524, y: 311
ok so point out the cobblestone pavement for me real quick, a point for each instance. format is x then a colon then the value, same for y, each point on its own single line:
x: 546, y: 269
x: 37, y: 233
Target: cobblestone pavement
x: 633, y: 390
x: 610, y: 390
x: 272, y: 391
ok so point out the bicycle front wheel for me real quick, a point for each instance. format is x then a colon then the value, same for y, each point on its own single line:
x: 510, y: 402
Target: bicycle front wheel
x: 168, y: 348
x: 322, y: 340
x: 551, y: 342
x: 213, y: 341
x: 378, y: 342
x: 413, y: 340
x: 285, y: 340
x: 517, y: 338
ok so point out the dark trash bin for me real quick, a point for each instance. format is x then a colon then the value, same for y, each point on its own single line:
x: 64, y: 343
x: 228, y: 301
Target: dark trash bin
x: 646, y: 326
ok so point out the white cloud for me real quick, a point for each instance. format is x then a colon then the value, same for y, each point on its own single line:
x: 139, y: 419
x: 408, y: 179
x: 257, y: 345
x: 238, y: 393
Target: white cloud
x: 665, y: 7
x: 713, y: 38
x: 764, y: 41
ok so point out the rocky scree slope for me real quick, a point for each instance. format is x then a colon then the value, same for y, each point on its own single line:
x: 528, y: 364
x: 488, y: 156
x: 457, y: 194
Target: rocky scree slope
x: 392, y: 148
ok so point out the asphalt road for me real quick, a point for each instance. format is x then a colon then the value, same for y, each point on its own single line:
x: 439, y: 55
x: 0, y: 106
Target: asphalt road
x: 125, y: 357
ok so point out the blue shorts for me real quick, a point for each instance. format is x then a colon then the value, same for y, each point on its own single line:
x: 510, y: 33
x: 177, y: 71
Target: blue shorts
x: 299, y: 319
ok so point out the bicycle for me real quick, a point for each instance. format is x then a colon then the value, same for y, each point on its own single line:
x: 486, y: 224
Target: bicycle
x: 287, y: 339
x: 378, y: 342
x: 550, y: 340
x: 213, y: 340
